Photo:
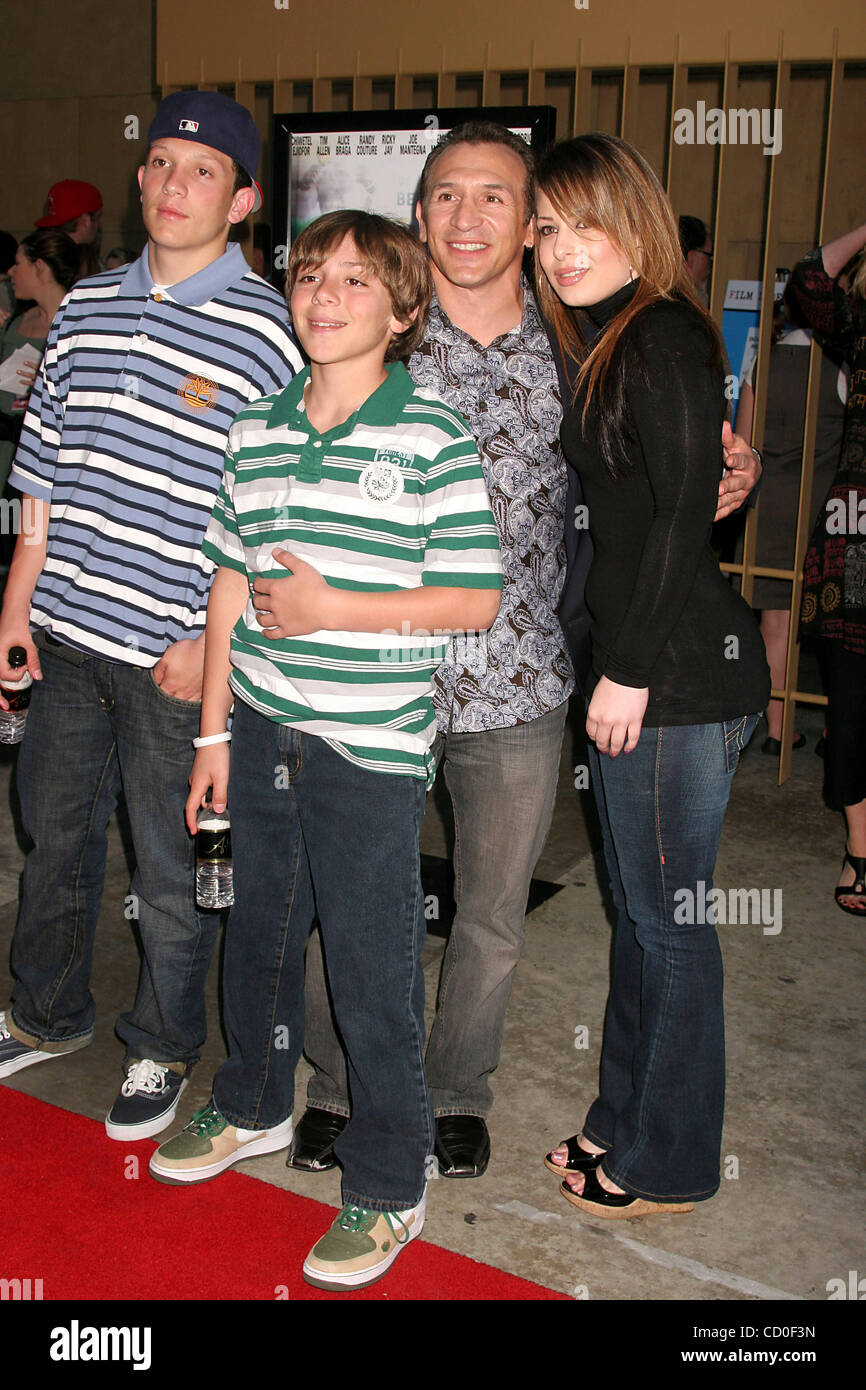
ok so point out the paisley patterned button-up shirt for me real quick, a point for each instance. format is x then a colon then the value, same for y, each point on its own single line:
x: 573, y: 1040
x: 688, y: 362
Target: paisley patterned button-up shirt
x: 509, y: 395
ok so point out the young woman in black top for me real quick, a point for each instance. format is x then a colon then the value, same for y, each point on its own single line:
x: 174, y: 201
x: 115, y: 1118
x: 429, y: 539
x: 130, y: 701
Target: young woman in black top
x: 679, y: 675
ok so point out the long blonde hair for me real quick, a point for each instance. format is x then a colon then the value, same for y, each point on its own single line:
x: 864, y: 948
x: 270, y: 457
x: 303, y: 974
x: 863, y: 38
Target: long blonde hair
x: 606, y: 183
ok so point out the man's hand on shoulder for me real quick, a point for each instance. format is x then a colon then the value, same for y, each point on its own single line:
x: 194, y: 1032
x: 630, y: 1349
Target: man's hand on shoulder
x: 742, y: 471
x: 180, y: 668
x: 293, y: 606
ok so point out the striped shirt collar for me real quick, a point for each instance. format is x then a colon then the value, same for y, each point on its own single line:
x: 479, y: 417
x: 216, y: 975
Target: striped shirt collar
x: 381, y: 408
x: 197, y: 289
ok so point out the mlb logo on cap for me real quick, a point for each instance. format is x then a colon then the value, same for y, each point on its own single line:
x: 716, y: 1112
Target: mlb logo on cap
x: 188, y: 125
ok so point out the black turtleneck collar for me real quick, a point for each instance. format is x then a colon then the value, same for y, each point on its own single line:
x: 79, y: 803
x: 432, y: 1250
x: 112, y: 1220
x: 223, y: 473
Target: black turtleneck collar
x: 607, y: 309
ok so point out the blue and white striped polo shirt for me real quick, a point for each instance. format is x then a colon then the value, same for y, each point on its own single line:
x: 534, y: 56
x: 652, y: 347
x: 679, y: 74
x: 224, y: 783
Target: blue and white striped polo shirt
x: 126, y: 436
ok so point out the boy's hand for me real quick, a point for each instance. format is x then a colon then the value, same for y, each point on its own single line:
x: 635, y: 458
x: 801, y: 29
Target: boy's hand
x: 293, y: 606
x: 15, y: 632
x: 210, y: 769
x: 179, y: 670
x: 742, y: 472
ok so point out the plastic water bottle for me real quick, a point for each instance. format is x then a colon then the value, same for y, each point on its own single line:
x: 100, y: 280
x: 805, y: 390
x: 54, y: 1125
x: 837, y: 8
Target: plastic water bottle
x: 17, y: 693
x: 213, y: 859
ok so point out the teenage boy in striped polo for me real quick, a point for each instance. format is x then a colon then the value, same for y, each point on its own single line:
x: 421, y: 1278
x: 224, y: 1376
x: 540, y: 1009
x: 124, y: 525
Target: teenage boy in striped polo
x: 122, y: 456
x: 370, y: 490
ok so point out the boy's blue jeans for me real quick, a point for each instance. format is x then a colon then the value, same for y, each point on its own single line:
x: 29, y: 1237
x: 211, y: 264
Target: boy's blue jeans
x: 312, y: 833
x: 95, y: 729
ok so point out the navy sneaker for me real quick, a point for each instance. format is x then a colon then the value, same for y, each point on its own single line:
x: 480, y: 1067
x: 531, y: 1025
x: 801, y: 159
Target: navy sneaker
x: 147, y: 1101
x: 15, y: 1055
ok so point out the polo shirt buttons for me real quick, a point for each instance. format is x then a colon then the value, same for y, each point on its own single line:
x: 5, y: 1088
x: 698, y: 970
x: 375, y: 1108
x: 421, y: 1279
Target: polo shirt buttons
x: 158, y: 298
x: 308, y: 468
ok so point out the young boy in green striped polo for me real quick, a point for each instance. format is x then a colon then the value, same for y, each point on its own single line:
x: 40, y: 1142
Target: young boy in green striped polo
x: 369, y: 491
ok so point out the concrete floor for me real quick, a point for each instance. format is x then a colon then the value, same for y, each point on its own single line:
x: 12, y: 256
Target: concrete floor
x: 784, y: 1223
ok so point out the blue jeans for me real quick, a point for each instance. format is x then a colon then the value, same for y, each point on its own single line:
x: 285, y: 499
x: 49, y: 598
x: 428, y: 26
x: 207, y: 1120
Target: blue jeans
x: 662, y: 1081
x: 313, y: 833
x: 96, y: 728
x: 502, y: 784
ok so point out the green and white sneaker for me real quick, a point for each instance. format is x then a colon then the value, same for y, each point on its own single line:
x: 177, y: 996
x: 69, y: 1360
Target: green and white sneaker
x: 209, y: 1145
x: 361, y: 1246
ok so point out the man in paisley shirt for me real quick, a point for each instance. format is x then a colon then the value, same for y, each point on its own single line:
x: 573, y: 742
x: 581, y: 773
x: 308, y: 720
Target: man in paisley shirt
x: 502, y: 695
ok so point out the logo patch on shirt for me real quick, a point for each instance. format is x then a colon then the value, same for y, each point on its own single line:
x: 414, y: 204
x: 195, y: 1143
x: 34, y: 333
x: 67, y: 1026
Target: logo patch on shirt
x: 188, y: 125
x: 381, y: 480
x: 197, y: 392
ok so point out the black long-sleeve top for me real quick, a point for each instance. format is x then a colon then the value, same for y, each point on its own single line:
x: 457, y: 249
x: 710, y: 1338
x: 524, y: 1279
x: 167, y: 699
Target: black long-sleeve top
x: 663, y: 615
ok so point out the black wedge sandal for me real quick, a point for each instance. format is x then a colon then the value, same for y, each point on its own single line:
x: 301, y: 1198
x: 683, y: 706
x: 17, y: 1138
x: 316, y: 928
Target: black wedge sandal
x: 578, y: 1160
x: 857, y: 889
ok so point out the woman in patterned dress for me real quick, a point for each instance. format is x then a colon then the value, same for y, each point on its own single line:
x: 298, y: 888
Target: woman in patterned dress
x: 834, y: 573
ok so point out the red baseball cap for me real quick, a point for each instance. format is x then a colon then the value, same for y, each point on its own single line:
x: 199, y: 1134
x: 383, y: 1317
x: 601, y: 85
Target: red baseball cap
x: 67, y: 200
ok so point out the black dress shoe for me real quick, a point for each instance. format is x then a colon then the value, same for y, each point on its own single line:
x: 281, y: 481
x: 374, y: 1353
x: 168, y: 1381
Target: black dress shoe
x: 773, y: 746
x: 462, y: 1146
x: 312, y: 1147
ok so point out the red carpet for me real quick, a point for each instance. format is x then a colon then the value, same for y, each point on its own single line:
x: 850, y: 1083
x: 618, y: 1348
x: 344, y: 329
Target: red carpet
x: 76, y: 1216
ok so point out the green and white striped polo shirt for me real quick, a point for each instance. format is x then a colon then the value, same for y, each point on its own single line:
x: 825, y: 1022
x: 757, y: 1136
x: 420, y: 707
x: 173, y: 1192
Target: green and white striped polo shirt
x: 392, y: 499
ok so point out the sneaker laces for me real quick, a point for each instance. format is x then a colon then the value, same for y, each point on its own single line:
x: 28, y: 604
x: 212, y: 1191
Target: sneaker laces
x: 146, y: 1076
x: 359, y: 1220
x: 5, y: 1035
x: 207, y: 1122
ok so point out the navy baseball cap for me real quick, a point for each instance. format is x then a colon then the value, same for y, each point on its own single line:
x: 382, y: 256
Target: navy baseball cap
x: 209, y: 118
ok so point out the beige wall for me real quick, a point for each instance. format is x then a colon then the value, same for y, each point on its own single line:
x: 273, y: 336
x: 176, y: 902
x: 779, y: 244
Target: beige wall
x: 210, y: 40
x: 300, y: 55
x: 84, y: 67
x: 81, y: 69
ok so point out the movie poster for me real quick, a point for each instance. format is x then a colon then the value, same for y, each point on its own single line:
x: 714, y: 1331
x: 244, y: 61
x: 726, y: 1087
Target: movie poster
x: 375, y: 170
x: 371, y: 160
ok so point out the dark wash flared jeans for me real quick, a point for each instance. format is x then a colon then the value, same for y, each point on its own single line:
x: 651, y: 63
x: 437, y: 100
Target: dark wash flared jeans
x: 662, y: 1081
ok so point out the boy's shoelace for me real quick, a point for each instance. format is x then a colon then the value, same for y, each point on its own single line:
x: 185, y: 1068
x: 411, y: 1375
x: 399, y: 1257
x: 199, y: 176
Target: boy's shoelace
x: 359, y: 1220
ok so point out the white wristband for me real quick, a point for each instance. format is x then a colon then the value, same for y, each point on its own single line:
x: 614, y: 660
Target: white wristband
x: 212, y: 738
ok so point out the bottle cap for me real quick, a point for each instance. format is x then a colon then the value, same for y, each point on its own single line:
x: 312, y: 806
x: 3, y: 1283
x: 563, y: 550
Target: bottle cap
x: 17, y: 656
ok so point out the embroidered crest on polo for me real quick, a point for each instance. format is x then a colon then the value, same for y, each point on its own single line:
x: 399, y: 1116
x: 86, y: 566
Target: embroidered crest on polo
x: 198, y: 392
x: 381, y: 480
